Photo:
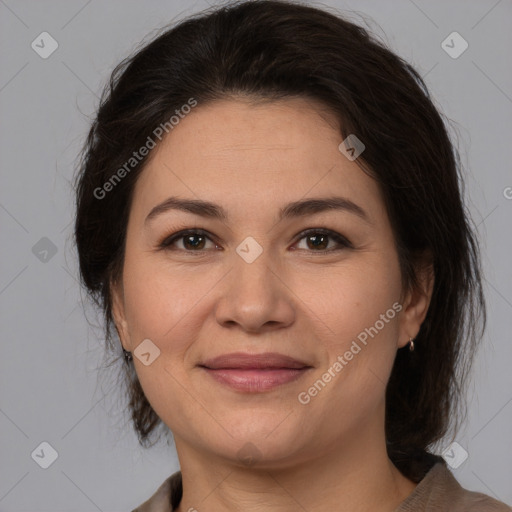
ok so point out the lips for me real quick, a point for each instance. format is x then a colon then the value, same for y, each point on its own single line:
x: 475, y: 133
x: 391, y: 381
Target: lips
x: 240, y: 360
x: 254, y: 373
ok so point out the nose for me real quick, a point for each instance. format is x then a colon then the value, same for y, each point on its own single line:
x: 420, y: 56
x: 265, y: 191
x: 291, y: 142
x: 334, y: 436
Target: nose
x: 255, y: 296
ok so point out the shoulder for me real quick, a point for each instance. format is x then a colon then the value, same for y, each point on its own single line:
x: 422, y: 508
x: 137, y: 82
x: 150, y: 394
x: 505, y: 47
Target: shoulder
x: 471, y: 501
x: 440, y: 491
x: 165, y: 498
x: 466, y: 500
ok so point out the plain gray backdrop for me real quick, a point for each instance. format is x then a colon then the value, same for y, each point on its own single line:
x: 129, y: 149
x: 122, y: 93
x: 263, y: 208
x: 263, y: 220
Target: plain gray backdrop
x: 50, y: 390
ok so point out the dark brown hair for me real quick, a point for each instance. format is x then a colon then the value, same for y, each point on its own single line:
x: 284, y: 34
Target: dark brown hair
x: 277, y: 49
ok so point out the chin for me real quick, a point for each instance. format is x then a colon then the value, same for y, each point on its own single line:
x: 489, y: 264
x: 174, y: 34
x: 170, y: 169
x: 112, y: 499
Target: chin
x: 259, y: 443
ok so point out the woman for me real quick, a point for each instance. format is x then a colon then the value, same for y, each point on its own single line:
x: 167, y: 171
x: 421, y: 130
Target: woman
x: 269, y: 213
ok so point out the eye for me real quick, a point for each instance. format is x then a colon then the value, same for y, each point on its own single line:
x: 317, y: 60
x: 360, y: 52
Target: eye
x: 317, y: 240
x: 190, y: 240
x: 195, y: 240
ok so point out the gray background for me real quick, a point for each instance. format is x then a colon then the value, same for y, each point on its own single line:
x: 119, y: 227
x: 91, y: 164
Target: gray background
x: 49, y: 385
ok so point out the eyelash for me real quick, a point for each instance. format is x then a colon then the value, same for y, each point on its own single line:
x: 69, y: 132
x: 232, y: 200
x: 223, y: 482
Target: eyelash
x: 341, y: 240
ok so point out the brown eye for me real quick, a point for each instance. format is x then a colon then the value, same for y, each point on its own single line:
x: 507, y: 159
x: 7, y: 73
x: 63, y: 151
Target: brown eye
x: 189, y: 240
x: 317, y: 241
x: 193, y: 241
x: 320, y: 240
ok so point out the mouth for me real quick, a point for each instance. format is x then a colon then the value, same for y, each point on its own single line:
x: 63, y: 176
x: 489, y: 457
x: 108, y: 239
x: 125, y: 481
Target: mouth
x: 254, y: 373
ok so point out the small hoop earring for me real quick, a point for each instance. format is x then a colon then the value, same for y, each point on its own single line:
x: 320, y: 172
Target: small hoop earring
x: 127, y: 355
x: 411, y: 345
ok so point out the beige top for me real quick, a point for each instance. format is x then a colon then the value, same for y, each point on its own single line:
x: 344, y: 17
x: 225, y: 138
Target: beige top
x: 438, y: 491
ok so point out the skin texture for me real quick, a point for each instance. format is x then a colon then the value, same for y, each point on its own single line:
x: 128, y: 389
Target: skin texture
x: 252, y: 158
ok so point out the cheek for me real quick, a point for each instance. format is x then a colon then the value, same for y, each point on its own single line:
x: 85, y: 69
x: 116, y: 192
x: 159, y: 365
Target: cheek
x: 165, y: 307
x: 158, y: 302
x: 362, y: 312
x: 354, y: 297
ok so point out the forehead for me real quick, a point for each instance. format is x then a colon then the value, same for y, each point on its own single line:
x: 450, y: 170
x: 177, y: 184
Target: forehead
x: 241, y: 153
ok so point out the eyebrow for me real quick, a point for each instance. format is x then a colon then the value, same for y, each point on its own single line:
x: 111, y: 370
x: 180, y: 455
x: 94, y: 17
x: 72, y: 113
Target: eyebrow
x: 299, y: 208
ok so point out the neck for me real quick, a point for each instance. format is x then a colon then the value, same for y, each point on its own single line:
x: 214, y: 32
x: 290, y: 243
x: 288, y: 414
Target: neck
x: 355, y: 476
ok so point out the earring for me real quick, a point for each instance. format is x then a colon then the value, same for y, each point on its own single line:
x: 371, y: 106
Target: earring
x: 411, y: 345
x: 127, y: 355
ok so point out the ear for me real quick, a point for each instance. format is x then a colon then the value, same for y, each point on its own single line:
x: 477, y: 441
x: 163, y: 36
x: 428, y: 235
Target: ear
x: 118, y: 313
x: 416, y: 302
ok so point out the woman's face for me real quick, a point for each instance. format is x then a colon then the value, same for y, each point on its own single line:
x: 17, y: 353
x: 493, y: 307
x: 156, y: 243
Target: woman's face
x: 253, y: 283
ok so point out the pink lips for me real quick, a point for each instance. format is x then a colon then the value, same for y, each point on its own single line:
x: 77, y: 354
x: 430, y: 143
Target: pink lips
x: 254, y: 373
